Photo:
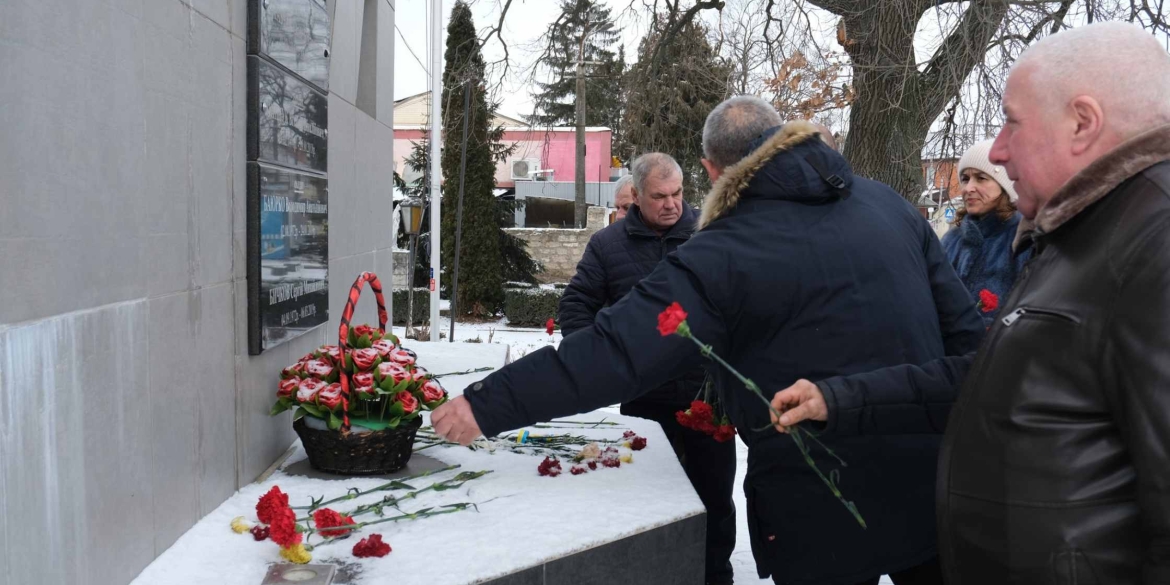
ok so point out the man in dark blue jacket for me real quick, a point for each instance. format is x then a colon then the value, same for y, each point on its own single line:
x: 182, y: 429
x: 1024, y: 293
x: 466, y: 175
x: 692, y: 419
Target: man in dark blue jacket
x: 616, y: 258
x: 799, y: 270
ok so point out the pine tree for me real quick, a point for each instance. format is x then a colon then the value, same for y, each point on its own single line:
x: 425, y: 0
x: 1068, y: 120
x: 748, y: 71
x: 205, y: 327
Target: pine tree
x: 666, y: 110
x: 482, y: 268
x: 556, y: 101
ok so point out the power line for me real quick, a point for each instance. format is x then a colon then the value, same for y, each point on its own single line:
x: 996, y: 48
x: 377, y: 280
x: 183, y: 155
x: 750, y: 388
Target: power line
x: 410, y: 50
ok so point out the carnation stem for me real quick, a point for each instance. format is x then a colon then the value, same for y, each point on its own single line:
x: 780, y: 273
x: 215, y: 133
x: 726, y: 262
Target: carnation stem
x: 439, y: 486
x: 427, y: 512
x: 707, y: 352
x: 396, y: 484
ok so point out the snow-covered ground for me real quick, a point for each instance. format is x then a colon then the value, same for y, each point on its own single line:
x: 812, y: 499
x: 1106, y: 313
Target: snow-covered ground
x: 521, y: 519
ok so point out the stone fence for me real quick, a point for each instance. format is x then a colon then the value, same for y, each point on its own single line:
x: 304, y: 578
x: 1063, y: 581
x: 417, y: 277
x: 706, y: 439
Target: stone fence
x: 559, y: 250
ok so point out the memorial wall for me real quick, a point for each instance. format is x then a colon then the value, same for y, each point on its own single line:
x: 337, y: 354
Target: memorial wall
x: 187, y: 190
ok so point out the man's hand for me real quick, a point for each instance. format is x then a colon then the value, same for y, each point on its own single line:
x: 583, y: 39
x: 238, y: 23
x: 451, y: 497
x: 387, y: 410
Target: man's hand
x: 800, y: 401
x: 455, y: 422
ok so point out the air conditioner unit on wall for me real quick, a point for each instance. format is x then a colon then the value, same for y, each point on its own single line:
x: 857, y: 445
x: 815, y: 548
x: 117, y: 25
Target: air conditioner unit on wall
x: 524, y: 169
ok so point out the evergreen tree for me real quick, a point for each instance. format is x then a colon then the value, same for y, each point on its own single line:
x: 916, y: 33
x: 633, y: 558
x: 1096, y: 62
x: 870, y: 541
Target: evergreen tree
x: 482, y: 268
x: 556, y: 101
x: 666, y: 110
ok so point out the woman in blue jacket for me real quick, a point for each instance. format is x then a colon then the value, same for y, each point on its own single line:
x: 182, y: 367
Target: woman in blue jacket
x: 980, y: 248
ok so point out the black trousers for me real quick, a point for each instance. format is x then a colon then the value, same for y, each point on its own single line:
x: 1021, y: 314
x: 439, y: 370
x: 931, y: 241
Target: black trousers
x: 928, y: 573
x: 710, y: 466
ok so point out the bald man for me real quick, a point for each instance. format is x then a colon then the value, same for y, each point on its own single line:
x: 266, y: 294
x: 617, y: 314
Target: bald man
x: 1056, y: 462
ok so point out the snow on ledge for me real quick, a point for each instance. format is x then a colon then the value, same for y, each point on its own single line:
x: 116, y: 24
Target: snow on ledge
x: 523, y: 520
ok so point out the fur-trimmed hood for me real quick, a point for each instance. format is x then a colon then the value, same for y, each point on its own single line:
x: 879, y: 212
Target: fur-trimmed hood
x: 765, y: 173
x: 1097, y: 180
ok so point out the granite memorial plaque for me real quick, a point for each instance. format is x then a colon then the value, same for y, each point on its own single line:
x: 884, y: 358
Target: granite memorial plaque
x: 290, y: 119
x: 294, y: 33
x: 288, y: 254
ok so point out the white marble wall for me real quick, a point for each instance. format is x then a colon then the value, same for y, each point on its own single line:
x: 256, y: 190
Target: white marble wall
x: 129, y: 406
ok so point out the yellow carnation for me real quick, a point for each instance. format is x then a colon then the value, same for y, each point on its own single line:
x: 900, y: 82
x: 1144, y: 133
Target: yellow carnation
x: 296, y: 554
x: 239, y: 526
x: 627, y: 458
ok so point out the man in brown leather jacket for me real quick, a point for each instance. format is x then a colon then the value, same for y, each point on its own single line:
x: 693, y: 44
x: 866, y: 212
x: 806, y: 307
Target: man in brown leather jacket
x: 1056, y: 464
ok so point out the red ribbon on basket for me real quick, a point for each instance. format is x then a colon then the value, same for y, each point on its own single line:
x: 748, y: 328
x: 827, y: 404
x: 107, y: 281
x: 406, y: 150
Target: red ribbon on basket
x: 355, y: 292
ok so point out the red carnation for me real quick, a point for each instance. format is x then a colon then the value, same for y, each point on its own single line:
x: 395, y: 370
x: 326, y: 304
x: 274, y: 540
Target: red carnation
x: 724, y: 433
x: 611, y: 462
x: 269, y: 503
x: 371, y: 546
x: 283, y: 528
x: 638, y: 443
x: 671, y: 319
x: 326, y: 518
x: 988, y: 301
x: 629, y: 435
x: 592, y: 464
x: 550, y: 467
x: 259, y: 532
x: 577, y: 470
x: 684, y: 418
x: 549, y: 326
x: 701, y: 410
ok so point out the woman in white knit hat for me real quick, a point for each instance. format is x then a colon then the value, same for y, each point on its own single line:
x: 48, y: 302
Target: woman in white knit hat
x: 980, y: 248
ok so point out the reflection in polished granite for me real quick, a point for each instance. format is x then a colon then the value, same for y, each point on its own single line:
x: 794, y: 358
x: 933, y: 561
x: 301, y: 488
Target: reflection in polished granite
x: 294, y: 33
x: 289, y: 121
x: 288, y: 255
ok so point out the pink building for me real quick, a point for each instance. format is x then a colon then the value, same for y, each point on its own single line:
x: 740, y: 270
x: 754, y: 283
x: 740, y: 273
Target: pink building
x: 550, y: 152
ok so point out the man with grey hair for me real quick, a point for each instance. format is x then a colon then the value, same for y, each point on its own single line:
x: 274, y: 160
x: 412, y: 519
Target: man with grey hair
x: 1056, y: 467
x: 623, y: 196
x: 800, y: 268
x: 616, y: 258
x: 730, y: 129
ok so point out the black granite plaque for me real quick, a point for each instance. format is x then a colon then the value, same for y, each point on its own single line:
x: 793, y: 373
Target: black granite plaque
x: 288, y: 254
x: 289, y: 119
x: 294, y: 33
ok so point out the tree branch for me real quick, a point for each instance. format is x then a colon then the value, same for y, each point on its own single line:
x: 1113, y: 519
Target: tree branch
x: 961, y: 51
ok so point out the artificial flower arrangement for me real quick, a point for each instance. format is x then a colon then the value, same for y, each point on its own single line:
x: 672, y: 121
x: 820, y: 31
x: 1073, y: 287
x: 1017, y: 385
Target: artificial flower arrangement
x: 386, y: 387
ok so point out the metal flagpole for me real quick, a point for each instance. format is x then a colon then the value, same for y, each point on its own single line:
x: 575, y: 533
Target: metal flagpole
x: 436, y: 139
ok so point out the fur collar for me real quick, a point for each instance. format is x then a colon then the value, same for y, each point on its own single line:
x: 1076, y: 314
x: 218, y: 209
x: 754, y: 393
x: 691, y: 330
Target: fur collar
x: 725, y: 194
x: 1097, y: 180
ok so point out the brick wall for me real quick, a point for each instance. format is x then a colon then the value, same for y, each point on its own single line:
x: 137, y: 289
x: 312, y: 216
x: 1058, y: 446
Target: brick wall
x: 559, y: 250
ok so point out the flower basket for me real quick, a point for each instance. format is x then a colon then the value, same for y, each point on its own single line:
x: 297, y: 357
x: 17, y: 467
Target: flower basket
x: 367, y: 381
x: 372, y: 453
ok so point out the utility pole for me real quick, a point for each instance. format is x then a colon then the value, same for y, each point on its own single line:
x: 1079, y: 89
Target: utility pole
x: 579, y: 209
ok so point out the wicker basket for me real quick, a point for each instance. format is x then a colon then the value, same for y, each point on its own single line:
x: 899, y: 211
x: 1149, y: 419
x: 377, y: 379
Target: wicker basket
x: 346, y: 453
x: 368, y: 453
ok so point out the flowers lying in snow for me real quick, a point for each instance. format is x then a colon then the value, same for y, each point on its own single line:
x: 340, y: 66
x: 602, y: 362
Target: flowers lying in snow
x: 371, y: 546
x: 281, y: 525
x: 239, y: 526
x: 592, y: 454
x: 550, y: 467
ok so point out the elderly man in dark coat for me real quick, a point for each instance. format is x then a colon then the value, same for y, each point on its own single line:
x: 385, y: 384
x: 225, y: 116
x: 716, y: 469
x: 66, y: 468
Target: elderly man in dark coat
x: 615, y: 259
x: 799, y: 270
x: 1056, y: 463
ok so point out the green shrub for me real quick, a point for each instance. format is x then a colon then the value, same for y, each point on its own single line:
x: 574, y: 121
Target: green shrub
x: 531, y: 307
x: 422, y: 306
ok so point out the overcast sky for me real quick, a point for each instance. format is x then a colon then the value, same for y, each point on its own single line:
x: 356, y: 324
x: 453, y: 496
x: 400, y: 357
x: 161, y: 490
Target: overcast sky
x: 526, y: 21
